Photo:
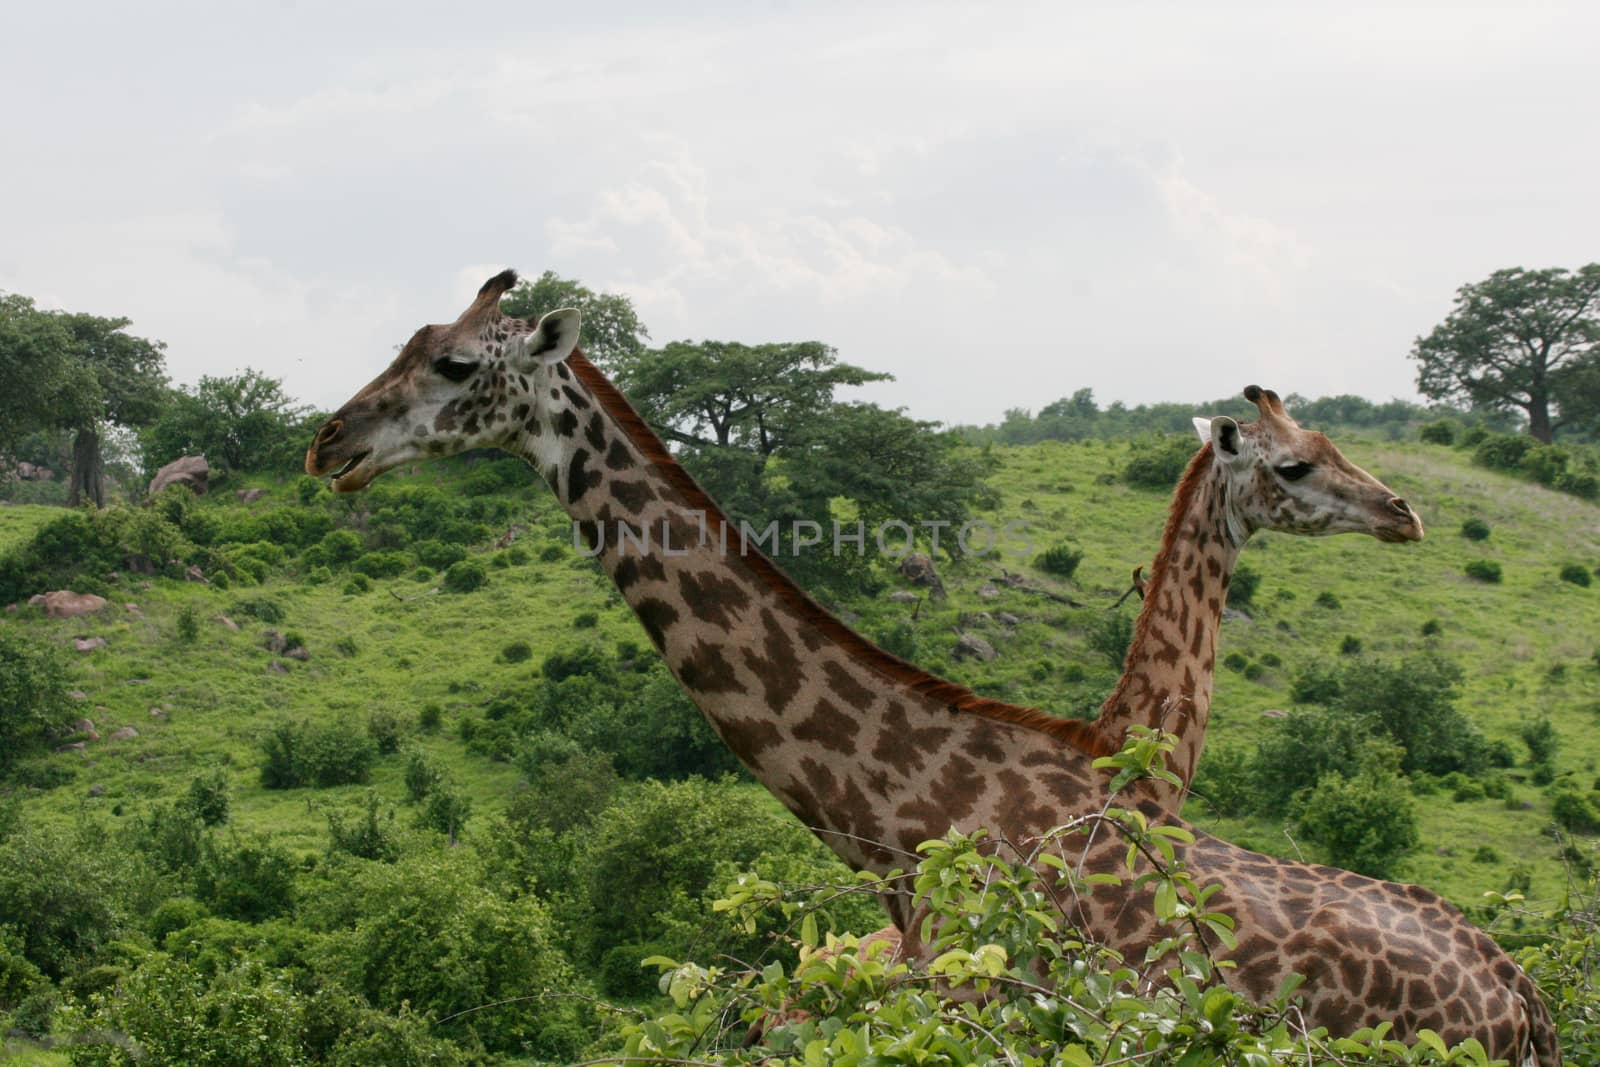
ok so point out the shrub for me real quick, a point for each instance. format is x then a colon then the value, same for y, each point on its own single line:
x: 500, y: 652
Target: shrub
x: 586, y: 620
x: 1234, y: 661
x: 188, y: 625
x: 1431, y: 628
x: 1252, y: 671
x: 1110, y: 633
x: 33, y: 694
x: 1061, y: 561
x: 1542, y: 739
x: 1483, y: 570
x: 386, y: 729
x: 1327, y: 600
x: 264, y: 608
x: 1545, y: 463
x: 1159, y: 463
x: 1502, y: 451
x: 1582, y: 484
x: 1271, y: 659
x: 1573, y: 809
x: 321, y: 754
x: 1364, y: 824
x: 1475, y: 529
x: 422, y: 574
x: 583, y: 660
x: 386, y: 564
x: 1438, y: 432
x: 429, y: 718
x: 245, y: 879
x: 207, y: 798
x: 465, y: 576
x: 516, y: 652
x: 551, y: 553
x: 437, y: 554
x: 1576, y: 573
x: 445, y: 809
x: 1242, y: 587
x: 368, y: 838
x: 1226, y: 781
x: 422, y: 774
x: 341, y: 546
x: 1350, y: 645
x: 357, y: 584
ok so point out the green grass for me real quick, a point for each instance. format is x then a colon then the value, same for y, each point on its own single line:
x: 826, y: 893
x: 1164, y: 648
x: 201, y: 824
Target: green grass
x: 414, y: 647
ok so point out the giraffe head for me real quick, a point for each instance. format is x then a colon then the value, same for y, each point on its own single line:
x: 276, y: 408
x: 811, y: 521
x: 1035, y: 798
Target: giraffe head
x: 478, y: 382
x: 1278, y: 476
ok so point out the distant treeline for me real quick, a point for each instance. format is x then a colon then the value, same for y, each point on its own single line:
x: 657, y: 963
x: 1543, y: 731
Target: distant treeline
x: 1079, y: 418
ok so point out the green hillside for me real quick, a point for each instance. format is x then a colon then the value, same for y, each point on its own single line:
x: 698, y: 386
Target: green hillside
x: 1528, y: 647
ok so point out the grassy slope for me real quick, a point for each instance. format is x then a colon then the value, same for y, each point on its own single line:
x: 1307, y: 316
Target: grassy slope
x: 444, y: 649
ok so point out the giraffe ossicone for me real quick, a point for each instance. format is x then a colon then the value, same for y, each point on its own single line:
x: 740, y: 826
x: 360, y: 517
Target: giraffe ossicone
x: 873, y: 754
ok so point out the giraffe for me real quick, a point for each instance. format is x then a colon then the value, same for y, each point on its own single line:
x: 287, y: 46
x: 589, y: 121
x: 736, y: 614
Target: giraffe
x: 874, y: 755
x: 1290, y: 475
x: 1171, y: 661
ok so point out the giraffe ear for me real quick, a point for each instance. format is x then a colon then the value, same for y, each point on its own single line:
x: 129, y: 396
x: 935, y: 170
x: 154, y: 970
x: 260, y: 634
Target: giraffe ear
x: 553, y: 339
x: 1225, y: 438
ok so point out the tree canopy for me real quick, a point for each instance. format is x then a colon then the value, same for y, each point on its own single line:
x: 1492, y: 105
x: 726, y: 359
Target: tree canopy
x: 611, y: 327
x: 76, y: 372
x: 1518, y: 340
x: 242, y: 421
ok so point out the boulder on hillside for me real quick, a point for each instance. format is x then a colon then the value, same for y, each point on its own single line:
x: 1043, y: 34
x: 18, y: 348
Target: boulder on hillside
x: 274, y: 642
x: 192, y: 471
x: 249, y: 496
x: 903, y: 596
x: 65, y: 604
x: 125, y: 733
x: 971, y: 646
x: 89, y: 644
x: 195, y: 574
x: 918, y: 568
x: 227, y: 623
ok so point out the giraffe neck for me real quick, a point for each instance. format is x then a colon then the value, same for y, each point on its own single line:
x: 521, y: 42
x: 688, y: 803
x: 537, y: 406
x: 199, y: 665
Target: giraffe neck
x: 871, y: 753
x: 1166, y: 678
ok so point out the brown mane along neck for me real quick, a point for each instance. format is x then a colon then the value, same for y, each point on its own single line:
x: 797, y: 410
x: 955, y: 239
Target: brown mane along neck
x: 1193, y: 480
x: 1080, y: 735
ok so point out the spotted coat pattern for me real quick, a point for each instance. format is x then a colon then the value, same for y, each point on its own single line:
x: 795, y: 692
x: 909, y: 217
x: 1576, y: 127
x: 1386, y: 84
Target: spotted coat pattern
x: 867, y: 751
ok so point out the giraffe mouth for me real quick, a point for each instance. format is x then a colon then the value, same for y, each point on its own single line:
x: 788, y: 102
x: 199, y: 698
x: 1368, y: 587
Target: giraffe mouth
x: 349, y: 478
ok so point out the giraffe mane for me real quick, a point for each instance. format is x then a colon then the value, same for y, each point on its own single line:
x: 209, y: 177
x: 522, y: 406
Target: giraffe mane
x: 1080, y: 735
x: 1194, y: 476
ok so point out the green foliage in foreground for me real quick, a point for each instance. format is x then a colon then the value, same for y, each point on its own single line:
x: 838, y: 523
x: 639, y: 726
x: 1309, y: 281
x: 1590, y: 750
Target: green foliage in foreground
x: 1028, y: 987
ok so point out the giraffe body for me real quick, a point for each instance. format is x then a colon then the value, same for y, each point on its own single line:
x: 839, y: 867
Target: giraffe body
x: 873, y: 754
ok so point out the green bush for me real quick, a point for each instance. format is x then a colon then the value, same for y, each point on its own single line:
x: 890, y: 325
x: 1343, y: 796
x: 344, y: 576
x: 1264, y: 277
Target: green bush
x: 516, y: 652
x: 383, y: 564
x: 1350, y: 645
x: 422, y: 774
x: 1584, y: 484
x: 470, y: 957
x: 583, y: 660
x: 1475, y: 529
x: 1158, y: 463
x: 315, y: 754
x: 429, y: 718
x: 1328, y: 600
x: 1234, y: 661
x: 1438, y: 432
x: 1483, y: 570
x: 1431, y: 628
x: 34, y: 706
x: 208, y: 798
x: 1542, y: 739
x: 1573, y: 809
x: 437, y: 554
x: 465, y: 576
x: 245, y: 879
x: 1502, y: 451
x: 266, y: 609
x: 386, y: 730
x: 370, y: 837
x: 1576, y: 573
x: 1242, y: 587
x: 1061, y: 561
x: 1110, y: 633
x: 585, y: 620
x: 1365, y: 824
x: 445, y: 809
x: 341, y: 546
x: 1545, y: 463
x: 357, y: 584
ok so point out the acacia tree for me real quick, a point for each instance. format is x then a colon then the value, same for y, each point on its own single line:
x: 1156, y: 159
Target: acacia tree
x: 1516, y: 340
x: 75, y: 372
x: 611, y: 328
x: 242, y: 421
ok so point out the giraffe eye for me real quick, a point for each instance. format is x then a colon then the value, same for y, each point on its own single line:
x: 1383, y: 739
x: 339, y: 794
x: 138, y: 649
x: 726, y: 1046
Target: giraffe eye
x: 457, y: 370
x: 1293, y: 472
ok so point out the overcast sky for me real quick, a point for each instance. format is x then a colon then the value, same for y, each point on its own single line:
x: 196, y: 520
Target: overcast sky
x: 999, y: 204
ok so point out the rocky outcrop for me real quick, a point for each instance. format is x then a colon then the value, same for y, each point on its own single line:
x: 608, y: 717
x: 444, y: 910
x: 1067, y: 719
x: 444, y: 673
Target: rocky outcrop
x: 89, y: 644
x: 65, y: 604
x: 971, y: 646
x: 191, y: 471
x: 249, y: 496
x: 918, y: 569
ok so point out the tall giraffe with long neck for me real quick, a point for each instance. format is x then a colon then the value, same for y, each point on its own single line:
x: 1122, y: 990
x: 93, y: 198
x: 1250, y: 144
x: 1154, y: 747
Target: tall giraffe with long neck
x: 877, y: 756
x: 1170, y: 666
